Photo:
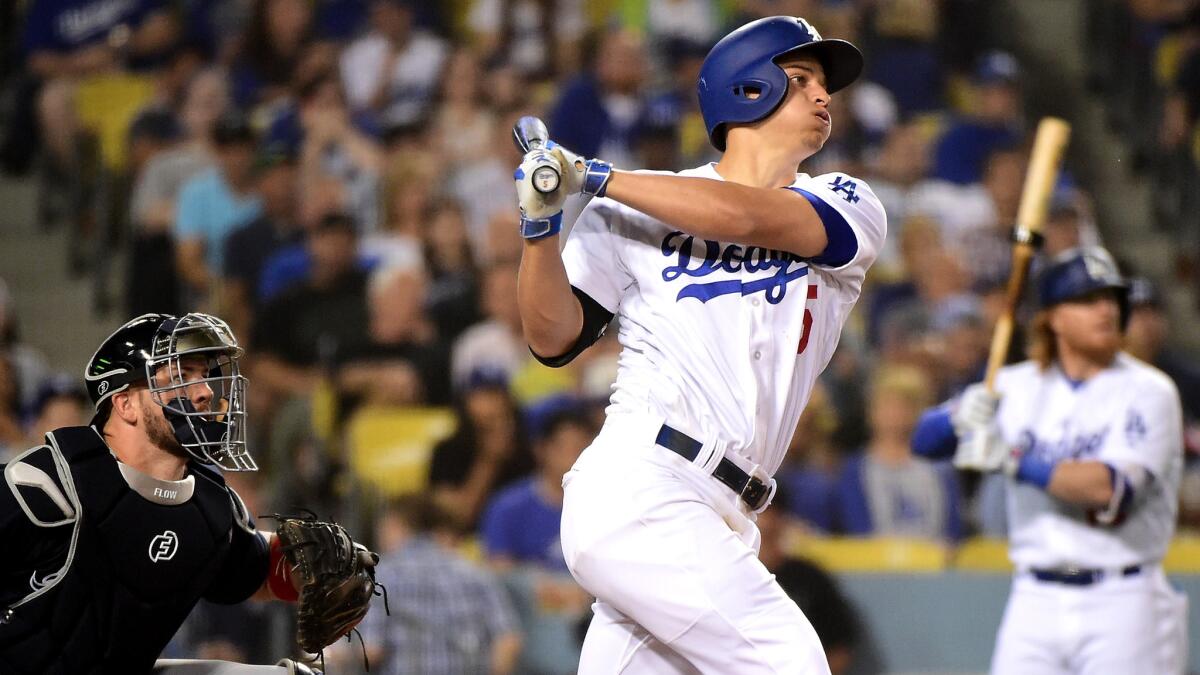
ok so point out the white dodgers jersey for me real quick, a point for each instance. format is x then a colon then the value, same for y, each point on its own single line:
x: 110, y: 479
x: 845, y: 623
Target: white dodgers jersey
x: 1127, y: 416
x: 720, y: 338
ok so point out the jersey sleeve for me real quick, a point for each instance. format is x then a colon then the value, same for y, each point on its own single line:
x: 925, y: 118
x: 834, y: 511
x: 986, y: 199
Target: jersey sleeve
x: 855, y: 223
x: 1149, y: 434
x: 592, y: 255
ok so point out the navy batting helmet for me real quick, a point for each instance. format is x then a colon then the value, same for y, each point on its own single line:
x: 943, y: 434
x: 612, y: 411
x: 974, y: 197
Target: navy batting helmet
x: 746, y: 61
x: 1080, y: 271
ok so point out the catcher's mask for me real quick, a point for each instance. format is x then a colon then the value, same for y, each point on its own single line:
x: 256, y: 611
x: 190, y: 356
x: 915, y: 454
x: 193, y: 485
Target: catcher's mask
x: 176, y: 357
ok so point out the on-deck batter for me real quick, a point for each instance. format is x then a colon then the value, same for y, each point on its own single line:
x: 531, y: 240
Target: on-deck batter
x: 1092, y: 440
x: 732, y: 282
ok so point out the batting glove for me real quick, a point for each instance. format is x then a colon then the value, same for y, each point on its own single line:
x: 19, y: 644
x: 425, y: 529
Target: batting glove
x: 588, y: 176
x: 982, y: 449
x: 976, y: 410
x: 541, y: 212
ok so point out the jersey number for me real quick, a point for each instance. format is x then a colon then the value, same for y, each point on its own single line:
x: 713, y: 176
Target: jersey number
x: 808, y: 320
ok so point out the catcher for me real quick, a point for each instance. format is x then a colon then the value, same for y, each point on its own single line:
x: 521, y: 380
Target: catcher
x: 118, y: 528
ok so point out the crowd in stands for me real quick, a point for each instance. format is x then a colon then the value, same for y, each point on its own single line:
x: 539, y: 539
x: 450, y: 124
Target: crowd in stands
x: 333, y: 177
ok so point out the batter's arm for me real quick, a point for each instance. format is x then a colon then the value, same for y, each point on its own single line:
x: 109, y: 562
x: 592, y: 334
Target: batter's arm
x: 1087, y: 483
x: 551, y: 316
x: 773, y: 218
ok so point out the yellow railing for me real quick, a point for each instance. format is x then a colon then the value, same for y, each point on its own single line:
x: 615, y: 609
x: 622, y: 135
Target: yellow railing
x: 888, y: 554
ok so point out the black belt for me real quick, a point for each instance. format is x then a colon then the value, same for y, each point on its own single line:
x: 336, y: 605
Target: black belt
x: 1077, y: 577
x: 752, y: 490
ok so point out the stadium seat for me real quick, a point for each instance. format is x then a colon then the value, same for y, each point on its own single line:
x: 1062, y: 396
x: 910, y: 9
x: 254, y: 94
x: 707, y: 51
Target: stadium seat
x: 390, y: 448
x: 107, y: 104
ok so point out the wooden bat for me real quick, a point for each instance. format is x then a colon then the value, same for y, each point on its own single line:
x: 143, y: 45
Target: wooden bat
x: 1048, y: 147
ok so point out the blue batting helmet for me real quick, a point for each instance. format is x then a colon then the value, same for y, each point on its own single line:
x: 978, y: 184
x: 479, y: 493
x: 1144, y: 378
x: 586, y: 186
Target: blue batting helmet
x: 746, y: 61
x: 1080, y: 271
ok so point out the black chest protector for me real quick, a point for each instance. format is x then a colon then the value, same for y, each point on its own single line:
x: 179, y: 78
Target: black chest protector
x: 117, y: 583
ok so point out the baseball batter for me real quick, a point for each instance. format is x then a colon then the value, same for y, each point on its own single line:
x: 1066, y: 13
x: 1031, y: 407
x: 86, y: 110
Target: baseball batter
x: 732, y: 282
x: 1091, y: 440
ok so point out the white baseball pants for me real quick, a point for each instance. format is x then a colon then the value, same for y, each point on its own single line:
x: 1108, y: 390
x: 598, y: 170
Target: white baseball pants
x: 1117, y: 626
x: 671, y: 556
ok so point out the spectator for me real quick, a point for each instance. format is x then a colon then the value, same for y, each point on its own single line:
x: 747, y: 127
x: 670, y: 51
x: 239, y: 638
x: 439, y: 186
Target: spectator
x: 214, y: 203
x: 539, y: 38
x: 153, y: 283
x: 813, y: 589
x: 887, y: 491
x: 811, y: 465
x: 932, y: 276
x: 394, y: 69
x: 905, y: 59
x: 60, y: 402
x: 994, y: 123
x: 28, y: 364
x: 1146, y: 338
x: 453, y: 296
x: 462, y: 121
x: 68, y: 40
x: 448, y: 616
x: 411, y: 189
x: 315, y: 321
x: 976, y: 220
x: 667, y: 20
x: 484, y: 187
x: 520, y: 536
x: 655, y: 137
x: 961, y: 338
x: 488, y: 449
x: 291, y: 265
x: 520, y: 524
x: 11, y: 433
x: 249, y: 247
x: 898, y: 172
x: 402, y: 363
x: 277, y: 49
x: 597, y: 110
x: 495, y: 344
x: 335, y: 143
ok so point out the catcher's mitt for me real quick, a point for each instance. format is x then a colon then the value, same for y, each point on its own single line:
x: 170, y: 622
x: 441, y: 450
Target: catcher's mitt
x: 337, y: 579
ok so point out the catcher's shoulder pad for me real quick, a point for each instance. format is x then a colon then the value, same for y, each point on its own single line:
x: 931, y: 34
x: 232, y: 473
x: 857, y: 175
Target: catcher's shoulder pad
x: 241, y: 515
x: 41, y: 482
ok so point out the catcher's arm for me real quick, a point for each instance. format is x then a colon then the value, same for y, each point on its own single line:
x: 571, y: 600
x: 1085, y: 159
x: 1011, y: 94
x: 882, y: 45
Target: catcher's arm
x: 279, y: 584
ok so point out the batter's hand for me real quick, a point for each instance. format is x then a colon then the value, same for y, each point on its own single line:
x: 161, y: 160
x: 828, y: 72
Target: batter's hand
x: 541, y: 212
x: 982, y: 449
x: 976, y: 409
x: 589, y: 176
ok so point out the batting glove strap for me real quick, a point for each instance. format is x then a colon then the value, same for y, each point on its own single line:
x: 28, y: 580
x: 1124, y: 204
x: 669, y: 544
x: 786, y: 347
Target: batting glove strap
x: 540, y: 228
x: 595, y: 178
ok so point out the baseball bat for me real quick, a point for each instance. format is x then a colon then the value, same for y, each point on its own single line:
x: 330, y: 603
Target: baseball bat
x: 530, y: 133
x: 1048, y: 147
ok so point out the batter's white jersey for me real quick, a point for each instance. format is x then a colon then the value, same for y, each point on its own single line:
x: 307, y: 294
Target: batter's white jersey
x: 720, y: 338
x: 1128, y: 416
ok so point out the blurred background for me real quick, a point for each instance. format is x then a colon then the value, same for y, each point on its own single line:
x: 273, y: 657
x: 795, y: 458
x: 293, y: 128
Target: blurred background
x: 333, y: 177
